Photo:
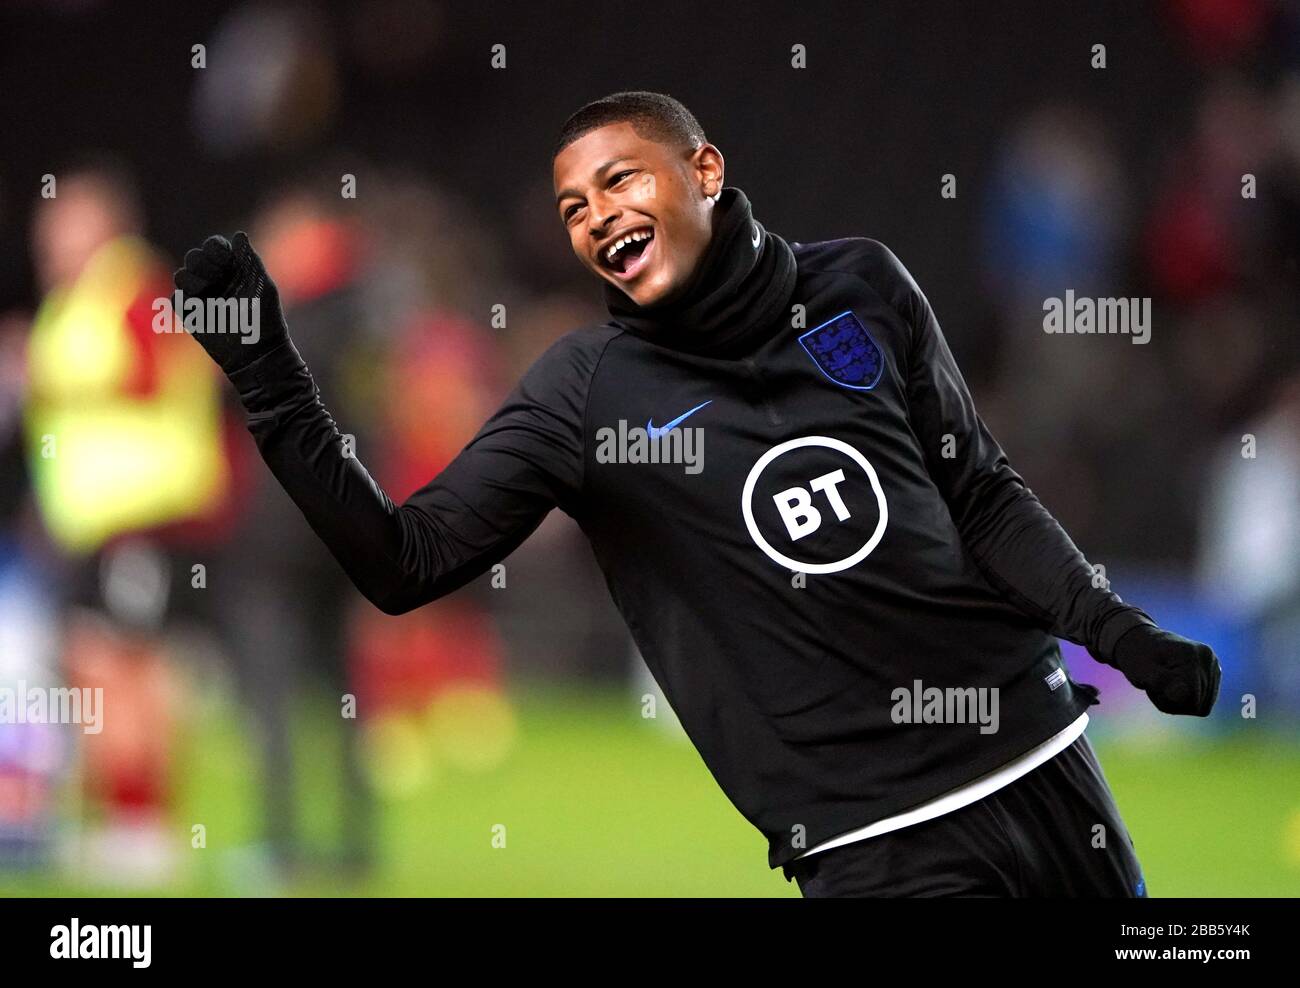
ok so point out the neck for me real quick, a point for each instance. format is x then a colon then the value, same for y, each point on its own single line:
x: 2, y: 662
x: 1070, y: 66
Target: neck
x: 737, y: 297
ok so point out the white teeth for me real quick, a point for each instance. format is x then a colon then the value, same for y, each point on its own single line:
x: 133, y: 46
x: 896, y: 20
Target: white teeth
x: 633, y: 237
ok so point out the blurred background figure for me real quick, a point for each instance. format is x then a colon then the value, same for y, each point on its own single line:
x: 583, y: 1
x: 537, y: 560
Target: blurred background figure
x: 280, y: 605
x: 33, y: 757
x: 432, y: 680
x: 124, y: 448
x: 1251, y: 524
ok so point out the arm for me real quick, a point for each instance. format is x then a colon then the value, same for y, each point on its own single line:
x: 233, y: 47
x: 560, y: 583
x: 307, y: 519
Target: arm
x: 1021, y: 549
x: 525, y: 460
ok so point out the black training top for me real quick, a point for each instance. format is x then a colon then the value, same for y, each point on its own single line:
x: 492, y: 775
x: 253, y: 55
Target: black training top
x: 838, y: 526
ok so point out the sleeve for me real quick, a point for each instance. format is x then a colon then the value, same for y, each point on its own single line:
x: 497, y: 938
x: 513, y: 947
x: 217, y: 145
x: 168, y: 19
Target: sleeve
x: 1021, y: 549
x: 525, y: 460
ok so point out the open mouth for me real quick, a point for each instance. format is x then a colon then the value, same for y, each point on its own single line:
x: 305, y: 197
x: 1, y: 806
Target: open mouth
x: 630, y: 253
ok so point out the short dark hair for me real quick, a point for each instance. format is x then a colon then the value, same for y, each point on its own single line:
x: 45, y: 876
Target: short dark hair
x: 655, y: 116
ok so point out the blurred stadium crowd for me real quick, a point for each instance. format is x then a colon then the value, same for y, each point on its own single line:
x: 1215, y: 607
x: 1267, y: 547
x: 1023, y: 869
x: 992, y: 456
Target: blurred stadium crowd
x: 145, y: 550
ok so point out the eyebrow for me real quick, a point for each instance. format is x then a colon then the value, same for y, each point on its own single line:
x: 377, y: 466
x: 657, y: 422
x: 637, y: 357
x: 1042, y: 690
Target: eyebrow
x: 564, y: 193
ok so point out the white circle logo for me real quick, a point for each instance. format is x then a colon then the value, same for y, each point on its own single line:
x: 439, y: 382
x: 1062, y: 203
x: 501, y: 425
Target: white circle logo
x: 747, y: 507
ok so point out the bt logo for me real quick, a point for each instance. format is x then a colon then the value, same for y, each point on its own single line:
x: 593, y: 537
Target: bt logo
x: 796, y: 507
x: 850, y: 494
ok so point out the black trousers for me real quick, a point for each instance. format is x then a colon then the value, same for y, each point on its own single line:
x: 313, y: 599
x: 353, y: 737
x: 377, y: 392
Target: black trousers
x: 1054, y: 832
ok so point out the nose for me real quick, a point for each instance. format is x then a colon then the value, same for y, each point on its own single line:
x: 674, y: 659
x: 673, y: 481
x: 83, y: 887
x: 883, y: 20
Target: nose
x: 601, y: 214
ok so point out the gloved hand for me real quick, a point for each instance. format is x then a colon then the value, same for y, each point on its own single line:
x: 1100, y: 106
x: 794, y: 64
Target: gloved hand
x: 1179, y: 675
x: 223, y: 268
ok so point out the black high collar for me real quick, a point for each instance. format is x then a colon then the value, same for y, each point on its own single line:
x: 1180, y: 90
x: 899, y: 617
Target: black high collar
x: 737, y: 297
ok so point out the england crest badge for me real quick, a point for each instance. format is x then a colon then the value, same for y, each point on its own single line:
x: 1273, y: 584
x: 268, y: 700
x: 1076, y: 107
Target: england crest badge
x: 845, y: 352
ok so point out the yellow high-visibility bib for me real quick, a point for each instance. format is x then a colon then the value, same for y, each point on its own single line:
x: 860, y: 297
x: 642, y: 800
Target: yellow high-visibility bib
x: 105, y: 462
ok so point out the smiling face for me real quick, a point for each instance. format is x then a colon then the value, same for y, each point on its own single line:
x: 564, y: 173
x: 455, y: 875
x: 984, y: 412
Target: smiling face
x: 639, y: 214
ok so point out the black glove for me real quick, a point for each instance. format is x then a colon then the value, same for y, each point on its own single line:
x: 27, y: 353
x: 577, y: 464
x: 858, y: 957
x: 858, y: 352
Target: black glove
x: 1179, y: 675
x: 231, y: 269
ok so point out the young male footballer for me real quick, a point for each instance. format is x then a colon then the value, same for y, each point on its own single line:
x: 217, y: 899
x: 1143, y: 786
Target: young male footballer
x: 852, y: 603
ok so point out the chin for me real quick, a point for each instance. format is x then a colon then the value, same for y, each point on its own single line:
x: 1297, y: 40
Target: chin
x: 645, y: 297
x: 655, y: 294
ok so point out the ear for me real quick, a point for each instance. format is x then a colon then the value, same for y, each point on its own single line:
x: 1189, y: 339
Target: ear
x: 708, y: 167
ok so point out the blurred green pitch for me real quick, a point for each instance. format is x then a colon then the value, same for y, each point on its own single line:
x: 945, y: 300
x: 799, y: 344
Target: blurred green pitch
x: 597, y: 801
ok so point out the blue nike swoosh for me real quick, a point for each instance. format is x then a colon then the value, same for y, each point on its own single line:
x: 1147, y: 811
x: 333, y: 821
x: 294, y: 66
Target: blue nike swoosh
x: 656, y: 433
